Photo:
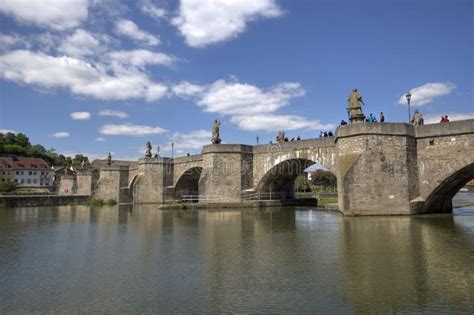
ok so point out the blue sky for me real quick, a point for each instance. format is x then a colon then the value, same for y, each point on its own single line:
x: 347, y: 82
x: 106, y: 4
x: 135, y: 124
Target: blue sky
x: 104, y: 76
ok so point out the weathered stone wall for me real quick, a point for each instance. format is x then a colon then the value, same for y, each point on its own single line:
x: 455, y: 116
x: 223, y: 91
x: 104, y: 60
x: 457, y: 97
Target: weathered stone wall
x: 376, y: 168
x: 86, y: 182
x: 266, y: 157
x: 185, y: 163
x: 42, y: 201
x: 67, y: 185
x: 154, y: 175
x: 112, y: 180
x: 445, y: 154
x: 226, y: 171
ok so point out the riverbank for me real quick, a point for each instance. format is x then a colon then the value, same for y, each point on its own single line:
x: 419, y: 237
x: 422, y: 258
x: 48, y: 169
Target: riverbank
x: 310, y: 202
x: 42, y: 200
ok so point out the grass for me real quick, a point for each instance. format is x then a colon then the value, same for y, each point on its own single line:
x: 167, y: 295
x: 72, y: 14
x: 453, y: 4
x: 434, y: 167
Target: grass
x: 96, y: 203
x: 327, y: 201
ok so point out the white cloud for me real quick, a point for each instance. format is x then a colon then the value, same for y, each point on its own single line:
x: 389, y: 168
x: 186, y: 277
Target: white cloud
x: 81, y: 77
x: 186, y: 89
x: 80, y: 116
x: 436, y: 118
x: 80, y: 43
x: 113, y: 113
x: 61, y: 134
x: 234, y: 98
x: 10, y: 40
x: 211, y: 21
x: 129, y: 29
x: 4, y: 131
x: 58, y: 15
x: 130, y: 130
x: 269, y: 122
x: 426, y: 93
x: 100, y: 139
x: 152, y: 10
x: 187, y: 142
x: 140, y: 58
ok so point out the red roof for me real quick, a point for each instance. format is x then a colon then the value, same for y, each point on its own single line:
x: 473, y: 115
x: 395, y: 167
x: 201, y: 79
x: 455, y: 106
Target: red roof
x: 23, y: 163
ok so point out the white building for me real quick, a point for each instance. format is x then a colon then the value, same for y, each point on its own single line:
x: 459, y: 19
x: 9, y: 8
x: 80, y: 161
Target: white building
x: 26, y: 171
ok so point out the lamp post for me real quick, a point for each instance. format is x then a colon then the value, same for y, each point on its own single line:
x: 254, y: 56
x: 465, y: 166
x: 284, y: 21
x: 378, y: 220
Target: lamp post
x: 408, y: 97
x: 172, y: 150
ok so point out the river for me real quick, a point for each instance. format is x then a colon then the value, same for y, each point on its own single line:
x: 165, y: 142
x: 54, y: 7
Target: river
x: 276, y: 260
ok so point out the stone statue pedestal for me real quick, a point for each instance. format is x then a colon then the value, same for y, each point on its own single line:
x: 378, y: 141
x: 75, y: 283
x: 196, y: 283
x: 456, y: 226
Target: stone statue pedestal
x: 357, y: 119
x: 216, y: 141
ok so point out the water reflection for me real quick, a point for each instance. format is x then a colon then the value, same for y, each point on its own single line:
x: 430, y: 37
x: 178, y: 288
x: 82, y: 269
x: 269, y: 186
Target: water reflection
x: 141, y: 259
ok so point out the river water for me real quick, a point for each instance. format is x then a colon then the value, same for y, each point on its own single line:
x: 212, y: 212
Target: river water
x: 144, y: 260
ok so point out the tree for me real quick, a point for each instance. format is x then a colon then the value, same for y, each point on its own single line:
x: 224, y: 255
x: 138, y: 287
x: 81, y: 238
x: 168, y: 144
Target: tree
x: 8, y: 186
x: 323, y: 178
x: 22, y: 140
x: 10, y: 138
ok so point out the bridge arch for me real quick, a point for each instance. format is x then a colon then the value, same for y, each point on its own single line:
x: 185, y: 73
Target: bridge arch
x: 440, y: 199
x: 281, y: 177
x: 188, y: 182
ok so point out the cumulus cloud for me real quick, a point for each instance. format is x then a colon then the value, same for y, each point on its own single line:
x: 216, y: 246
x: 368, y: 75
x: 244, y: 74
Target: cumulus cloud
x: 130, y: 130
x: 79, y: 76
x: 426, y: 93
x: 186, y: 89
x: 436, y: 118
x: 58, y: 15
x: 113, y: 113
x: 140, y: 58
x: 187, y: 142
x: 61, y: 134
x: 10, y: 40
x: 80, y: 43
x: 152, y: 10
x: 234, y: 98
x: 269, y: 122
x: 206, y: 22
x: 129, y: 29
x: 80, y: 116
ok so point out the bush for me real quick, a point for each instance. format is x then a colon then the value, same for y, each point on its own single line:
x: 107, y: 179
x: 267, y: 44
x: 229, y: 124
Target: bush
x: 8, y: 186
x: 323, y: 178
x: 96, y: 203
x: 111, y: 202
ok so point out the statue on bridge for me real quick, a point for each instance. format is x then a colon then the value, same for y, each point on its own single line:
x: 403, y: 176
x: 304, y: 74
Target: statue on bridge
x: 354, y: 108
x: 280, y: 137
x: 216, y: 132
x: 417, y: 119
x: 148, y: 149
x: 109, y: 159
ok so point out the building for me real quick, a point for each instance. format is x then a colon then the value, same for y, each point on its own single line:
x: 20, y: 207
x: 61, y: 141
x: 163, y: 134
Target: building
x: 26, y: 171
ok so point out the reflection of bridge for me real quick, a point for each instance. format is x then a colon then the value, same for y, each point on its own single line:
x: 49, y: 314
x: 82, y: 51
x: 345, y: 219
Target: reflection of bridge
x: 382, y: 168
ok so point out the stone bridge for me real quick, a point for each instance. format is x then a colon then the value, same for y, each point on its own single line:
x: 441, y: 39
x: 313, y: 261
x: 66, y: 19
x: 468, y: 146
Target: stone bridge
x: 381, y: 168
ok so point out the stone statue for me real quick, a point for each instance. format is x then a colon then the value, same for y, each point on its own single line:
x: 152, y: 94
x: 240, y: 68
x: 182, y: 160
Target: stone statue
x: 354, y: 107
x: 83, y: 163
x: 148, y: 149
x: 216, y: 132
x: 280, y: 137
x: 417, y: 119
x: 109, y: 159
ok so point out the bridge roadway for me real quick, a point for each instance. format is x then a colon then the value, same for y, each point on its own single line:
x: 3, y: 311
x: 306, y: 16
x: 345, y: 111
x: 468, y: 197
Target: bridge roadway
x: 381, y: 168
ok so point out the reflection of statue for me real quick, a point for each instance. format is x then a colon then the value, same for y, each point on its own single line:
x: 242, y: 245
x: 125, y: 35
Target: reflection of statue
x: 354, y: 107
x: 280, y: 136
x: 148, y: 149
x: 109, y: 159
x: 417, y: 119
x: 215, y: 132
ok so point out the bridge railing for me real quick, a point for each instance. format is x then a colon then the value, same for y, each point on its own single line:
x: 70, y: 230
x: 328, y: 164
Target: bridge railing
x: 275, y: 195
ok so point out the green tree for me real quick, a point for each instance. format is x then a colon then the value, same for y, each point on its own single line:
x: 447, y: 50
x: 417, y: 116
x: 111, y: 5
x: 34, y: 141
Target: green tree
x: 10, y: 138
x: 8, y: 186
x: 323, y: 178
x: 22, y: 140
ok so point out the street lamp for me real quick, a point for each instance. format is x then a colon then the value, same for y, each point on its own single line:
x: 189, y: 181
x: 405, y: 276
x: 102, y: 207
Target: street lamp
x: 408, y: 96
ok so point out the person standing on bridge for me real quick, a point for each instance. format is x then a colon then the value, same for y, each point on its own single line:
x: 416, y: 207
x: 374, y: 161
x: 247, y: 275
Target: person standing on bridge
x: 382, y: 117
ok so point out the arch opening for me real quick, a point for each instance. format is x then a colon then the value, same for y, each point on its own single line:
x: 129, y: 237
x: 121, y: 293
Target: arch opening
x: 440, y: 200
x: 188, y: 183
x: 279, y: 181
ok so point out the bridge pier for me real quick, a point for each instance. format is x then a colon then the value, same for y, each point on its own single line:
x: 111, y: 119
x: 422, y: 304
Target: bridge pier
x: 377, y: 168
x: 227, y: 170
x: 154, y: 175
x: 112, y: 180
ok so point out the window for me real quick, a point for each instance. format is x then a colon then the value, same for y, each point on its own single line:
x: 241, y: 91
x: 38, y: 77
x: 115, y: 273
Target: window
x: 34, y: 173
x: 35, y: 181
x: 29, y: 173
x: 22, y: 173
x: 29, y: 180
x: 17, y: 173
x: 22, y: 181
